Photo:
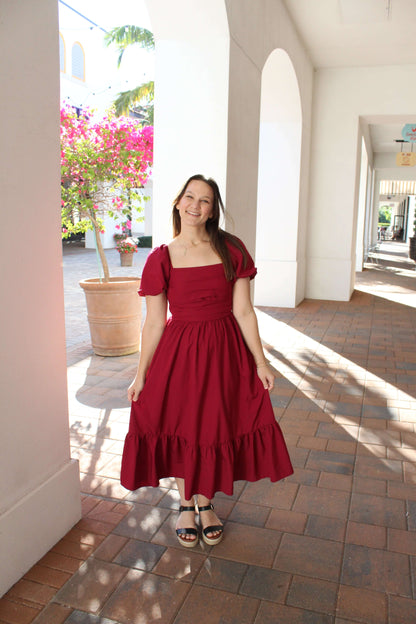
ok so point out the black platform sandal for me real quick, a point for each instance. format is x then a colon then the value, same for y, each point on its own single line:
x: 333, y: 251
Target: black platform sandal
x: 211, y: 541
x: 187, y: 543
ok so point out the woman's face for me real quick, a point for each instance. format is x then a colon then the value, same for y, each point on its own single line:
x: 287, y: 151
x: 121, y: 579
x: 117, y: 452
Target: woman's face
x: 196, y: 205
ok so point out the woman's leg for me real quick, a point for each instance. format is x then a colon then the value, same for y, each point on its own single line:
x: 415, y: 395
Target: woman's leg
x: 186, y: 519
x: 208, y: 518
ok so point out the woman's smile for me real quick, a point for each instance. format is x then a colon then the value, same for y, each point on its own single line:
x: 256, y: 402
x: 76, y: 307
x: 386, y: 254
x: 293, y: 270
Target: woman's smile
x: 196, y: 202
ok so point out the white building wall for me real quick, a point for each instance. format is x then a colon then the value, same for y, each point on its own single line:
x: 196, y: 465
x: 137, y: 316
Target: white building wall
x: 340, y: 97
x: 207, y: 108
x: 257, y: 30
x: 103, y: 79
x: 328, y: 205
x: 100, y: 64
x: 39, y: 484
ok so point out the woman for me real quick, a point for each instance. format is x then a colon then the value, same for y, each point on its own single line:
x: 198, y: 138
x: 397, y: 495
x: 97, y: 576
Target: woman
x: 201, y: 410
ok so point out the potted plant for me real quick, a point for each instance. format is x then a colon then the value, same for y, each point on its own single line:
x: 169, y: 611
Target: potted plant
x: 103, y: 164
x: 126, y: 247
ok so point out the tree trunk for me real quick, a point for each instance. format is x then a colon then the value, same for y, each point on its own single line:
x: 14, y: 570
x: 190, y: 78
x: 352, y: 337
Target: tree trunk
x: 100, y: 248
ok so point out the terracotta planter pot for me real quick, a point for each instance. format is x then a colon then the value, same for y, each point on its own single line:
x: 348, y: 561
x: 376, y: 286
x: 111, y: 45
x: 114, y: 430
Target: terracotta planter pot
x: 126, y: 259
x: 114, y: 314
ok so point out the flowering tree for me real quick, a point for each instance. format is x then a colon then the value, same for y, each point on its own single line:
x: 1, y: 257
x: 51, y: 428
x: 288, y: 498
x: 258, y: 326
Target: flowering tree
x: 103, y: 163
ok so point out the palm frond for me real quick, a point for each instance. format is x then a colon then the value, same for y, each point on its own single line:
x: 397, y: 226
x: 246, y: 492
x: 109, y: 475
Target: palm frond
x: 127, y: 99
x: 124, y: 36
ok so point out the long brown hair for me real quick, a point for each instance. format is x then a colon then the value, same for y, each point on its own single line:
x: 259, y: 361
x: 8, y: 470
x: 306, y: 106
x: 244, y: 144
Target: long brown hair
x: 218, y: 237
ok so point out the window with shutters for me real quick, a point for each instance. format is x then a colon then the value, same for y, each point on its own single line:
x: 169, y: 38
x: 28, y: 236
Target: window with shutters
x: 78, y: 61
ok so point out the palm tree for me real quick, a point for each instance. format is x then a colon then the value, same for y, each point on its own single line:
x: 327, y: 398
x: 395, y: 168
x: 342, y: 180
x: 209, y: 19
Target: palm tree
x: 139, y: 100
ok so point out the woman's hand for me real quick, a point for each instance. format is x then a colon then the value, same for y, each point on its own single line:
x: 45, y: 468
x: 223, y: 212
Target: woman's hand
x: 153, y: 328
x: 247, y: 321
x: 135, y: 388
x: 266, y: 375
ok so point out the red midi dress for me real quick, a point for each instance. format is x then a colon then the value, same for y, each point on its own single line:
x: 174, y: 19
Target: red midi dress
x: 203, y: 413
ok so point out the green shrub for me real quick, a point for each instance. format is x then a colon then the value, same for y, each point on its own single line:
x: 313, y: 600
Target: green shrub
x: 145, y: 241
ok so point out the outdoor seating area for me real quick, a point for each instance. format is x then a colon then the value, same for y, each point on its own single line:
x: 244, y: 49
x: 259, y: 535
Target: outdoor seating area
x: 333, y: 544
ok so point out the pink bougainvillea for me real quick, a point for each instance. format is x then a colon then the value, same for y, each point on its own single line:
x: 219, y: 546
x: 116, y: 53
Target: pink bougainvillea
x: 103, y: 164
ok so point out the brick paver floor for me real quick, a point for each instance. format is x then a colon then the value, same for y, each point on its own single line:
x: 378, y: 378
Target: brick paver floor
x: 333, y: 544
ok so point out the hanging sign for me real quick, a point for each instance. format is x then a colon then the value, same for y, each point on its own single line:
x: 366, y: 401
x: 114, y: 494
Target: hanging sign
x: 406, y: 159
x: 409, y: 132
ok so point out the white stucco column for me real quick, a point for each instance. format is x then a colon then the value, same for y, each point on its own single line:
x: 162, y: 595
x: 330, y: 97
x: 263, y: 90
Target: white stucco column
x: 191, y: 99
x: 39, y: 484
x: 331, y: 225
x: 362, y: 209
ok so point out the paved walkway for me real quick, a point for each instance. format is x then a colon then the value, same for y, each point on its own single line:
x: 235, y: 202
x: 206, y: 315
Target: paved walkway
x: 333, y: 544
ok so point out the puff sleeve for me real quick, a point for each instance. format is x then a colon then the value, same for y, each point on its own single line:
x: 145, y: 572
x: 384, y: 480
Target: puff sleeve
x: 156, y: 271
x: 242, y: 269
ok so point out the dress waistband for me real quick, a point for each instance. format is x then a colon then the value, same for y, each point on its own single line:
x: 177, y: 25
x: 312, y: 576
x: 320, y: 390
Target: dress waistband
x: 199, y: 316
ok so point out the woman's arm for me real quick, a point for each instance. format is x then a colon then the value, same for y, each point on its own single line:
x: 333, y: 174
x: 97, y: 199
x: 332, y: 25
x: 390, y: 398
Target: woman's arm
x: 153, y: 328
x: 246, y: 318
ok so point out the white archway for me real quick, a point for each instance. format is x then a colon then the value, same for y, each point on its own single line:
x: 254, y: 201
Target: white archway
x: 278, y: 184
